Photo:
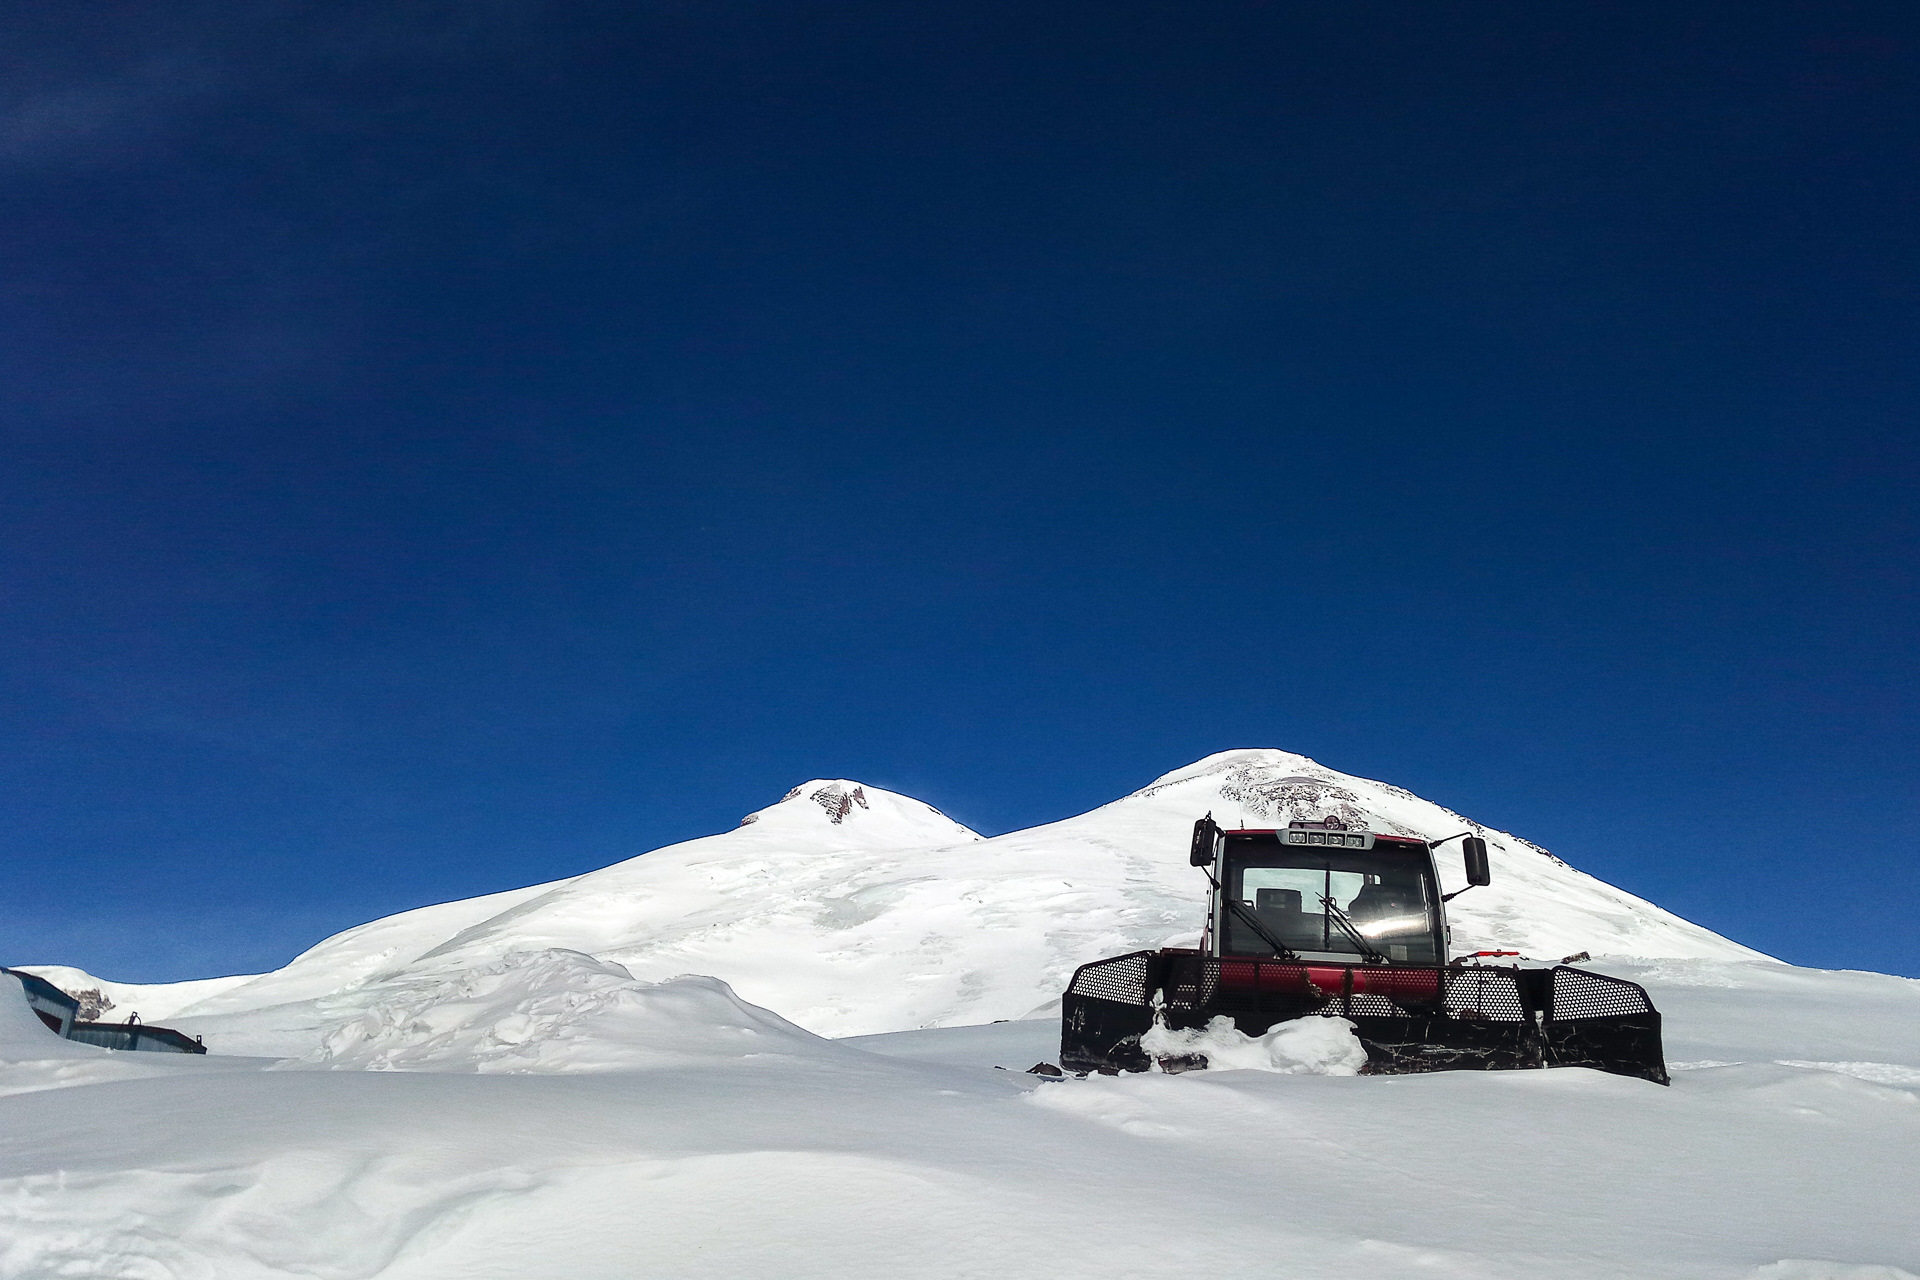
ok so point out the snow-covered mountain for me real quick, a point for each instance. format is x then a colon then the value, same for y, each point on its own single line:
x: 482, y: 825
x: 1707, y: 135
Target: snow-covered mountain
x: 853, y: 910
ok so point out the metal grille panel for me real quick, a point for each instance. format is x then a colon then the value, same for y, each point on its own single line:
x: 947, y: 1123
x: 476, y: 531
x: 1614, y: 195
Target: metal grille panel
x: 1192, y: 981
x: 1490, y: 994
x: 1579, y: 994
x: 1122, y: 979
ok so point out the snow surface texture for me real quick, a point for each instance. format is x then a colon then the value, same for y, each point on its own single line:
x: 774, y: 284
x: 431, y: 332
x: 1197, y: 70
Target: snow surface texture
x: 853, y: 910
x: 669, y: 1129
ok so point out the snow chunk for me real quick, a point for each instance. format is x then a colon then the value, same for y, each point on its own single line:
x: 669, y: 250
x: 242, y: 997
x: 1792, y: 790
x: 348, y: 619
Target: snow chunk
x: 555, y: 1011
x: 1313, y: 1046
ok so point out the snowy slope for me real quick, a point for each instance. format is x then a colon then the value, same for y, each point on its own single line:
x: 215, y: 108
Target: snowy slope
x: 853, y: 910
x: 556, y: 1118
x: 363, y: 955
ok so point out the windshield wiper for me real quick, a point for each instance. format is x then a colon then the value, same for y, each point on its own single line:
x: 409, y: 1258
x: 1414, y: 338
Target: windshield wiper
x: 1373, y: 954
x: 1280, y: 949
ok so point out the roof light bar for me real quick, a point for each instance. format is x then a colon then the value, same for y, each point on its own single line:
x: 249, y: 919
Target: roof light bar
x: 1331, y: 839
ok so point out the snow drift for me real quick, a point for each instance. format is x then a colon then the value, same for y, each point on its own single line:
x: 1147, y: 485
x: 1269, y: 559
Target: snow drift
x: 554, y: 1011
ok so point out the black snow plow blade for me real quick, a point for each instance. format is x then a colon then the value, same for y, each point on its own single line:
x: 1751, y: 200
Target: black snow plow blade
x: 1409, y: 1018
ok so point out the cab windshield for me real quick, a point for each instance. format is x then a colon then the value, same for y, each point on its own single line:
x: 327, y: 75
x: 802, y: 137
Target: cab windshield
x: 1386, y: 894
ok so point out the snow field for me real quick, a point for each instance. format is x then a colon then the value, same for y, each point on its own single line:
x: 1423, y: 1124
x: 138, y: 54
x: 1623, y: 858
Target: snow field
x: 823, y: 1158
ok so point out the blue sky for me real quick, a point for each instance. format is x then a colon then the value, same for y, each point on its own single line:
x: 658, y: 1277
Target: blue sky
x: 458, y: 446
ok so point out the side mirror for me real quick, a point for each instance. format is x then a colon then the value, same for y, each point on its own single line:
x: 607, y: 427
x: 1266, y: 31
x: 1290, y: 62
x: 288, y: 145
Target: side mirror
x: 1474, y: 850
x: 1206, y: 838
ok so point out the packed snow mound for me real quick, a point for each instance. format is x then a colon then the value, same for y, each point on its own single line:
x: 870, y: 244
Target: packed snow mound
x: 853, y: 910
x: 555, y: 1011
x: 1313, y: 1046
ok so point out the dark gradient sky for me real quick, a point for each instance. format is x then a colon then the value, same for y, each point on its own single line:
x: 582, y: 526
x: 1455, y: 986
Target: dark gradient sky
x: 455, y: 446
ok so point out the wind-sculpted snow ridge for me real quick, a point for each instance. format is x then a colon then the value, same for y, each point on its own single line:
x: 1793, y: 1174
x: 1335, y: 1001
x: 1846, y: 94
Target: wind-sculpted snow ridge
x: 853, y: 910
x: 555, y: 1011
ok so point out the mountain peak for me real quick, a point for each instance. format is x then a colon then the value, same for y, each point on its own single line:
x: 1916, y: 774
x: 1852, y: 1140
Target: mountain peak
x: 843, y: 802
x: 836, y: 796
x: 1264, y: 786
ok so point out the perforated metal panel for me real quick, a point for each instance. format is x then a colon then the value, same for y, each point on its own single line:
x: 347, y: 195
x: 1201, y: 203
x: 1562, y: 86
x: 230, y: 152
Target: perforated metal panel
x: 1405, y: 986
x: 1579, y: 994
x: 1192, y: 981
x: 1490, y: 994
x: 1122, y: 979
